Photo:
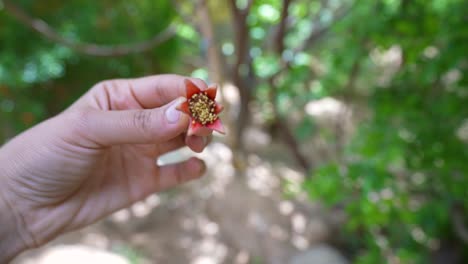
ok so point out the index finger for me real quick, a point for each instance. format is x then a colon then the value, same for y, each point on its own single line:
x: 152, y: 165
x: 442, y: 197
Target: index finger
x: 158, y: 90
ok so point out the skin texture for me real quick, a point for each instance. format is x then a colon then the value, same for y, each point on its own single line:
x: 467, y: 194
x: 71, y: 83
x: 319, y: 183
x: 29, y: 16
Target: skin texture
x: 95, y: 158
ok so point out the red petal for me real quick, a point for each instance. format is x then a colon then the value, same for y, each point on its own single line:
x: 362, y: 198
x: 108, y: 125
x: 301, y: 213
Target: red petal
x: 211, y: 92
x: 191, y: 88
x: 218, y: 108
x: 217, y: 126
x: 193, y: 128
x: 184, y: 107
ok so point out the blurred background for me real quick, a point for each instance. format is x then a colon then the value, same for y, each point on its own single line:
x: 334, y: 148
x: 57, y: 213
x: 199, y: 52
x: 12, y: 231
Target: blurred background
x: 347, y: 124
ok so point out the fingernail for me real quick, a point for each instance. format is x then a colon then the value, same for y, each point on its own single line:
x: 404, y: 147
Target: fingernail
x: 172, y: 114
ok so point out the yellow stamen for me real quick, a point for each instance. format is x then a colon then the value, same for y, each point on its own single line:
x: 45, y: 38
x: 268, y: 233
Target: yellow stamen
x: 202, y: 108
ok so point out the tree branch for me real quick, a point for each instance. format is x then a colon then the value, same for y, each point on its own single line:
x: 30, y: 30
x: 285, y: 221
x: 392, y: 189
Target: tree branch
x: 310, y: 41
x: 186, y: 18
x: 207, y: 31
x: 318, y: 34
x: 247, y: 8
x: 279, y: 39
x: 280, y: 123
x: 49, y: 33
x: 458, y: 223
x: 244, y: 80
x: 241, y: 38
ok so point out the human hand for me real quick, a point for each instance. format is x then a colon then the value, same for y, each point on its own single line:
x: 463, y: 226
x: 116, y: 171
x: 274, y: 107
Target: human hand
x: 96, y: 157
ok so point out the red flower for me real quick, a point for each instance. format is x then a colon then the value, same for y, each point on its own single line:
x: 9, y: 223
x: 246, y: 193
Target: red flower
x: 202, y: 108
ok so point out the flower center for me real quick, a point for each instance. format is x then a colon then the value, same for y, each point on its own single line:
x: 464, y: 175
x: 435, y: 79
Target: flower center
x: 202, y: 108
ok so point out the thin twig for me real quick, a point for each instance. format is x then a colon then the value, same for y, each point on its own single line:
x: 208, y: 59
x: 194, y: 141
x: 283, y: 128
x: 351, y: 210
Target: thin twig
x: 48, y: 32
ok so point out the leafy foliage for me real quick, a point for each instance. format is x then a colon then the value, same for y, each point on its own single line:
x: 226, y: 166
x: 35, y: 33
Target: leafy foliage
x: 405, y: 169
x: 39, y: 78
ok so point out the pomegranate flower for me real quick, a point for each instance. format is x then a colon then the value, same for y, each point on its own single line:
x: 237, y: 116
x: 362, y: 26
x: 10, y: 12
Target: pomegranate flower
x: 202, y: 109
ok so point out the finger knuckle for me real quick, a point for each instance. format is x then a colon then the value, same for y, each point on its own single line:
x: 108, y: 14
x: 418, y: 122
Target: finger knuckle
x: 77, y: 124
x: 79, y: 120
x: 160, y: 92
x: 142, y: 121
x: 109, y: 85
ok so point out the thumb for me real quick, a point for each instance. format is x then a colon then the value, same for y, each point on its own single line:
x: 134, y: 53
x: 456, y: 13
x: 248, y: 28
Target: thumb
x: 136, y: 126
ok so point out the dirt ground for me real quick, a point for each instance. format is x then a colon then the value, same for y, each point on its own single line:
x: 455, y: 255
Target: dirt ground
x: 227, y: 217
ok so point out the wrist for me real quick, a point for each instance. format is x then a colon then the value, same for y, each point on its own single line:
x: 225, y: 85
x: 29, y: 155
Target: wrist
x: 11, y: 243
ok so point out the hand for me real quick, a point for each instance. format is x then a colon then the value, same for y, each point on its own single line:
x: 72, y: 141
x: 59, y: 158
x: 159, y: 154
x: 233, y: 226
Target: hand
x: 96, y: 157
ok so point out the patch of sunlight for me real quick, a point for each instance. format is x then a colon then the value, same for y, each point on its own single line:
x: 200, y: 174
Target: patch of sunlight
x: 257, y: 33
x: 186, y: 32
x: 204, y: 260
x: 389, y: 61
x: 231, y: 94
x: 209, y: 250
x: 300, y: 242
x: 210, y: 229
x: 218, y: 158
x: 222, y: 151
x: 418, y: 235
x: 418, y: 178
x: 268, y: 13
x: 76, y: 254
x: 243, y: 257
x: 302, y: 58
x: 260, y: 179
x: 327, y: 106
x: 241, y: 4
x: 431, y: 52
x: 299, y: 223
x: 121, y: 216
x: 141, y: 209
x: 462, y: 131
x: 30, y: 73
x: 96, y: 240
x: 452, y: 77
x: 153, y: 200
x: 255, y: 52
x: 385, y: 57
x: 228, y: 48
x: 287, y: 55
x: 51, y: 64
x: 294, y: 180
x: 286, y: 207
x: 291, y: 175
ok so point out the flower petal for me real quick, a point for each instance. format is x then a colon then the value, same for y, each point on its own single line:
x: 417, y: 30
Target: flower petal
x: 184, y: 107
x: 191, y: 88
x: 217, y: 126
x: 193, y: 128
x: 218, y: 108
x: 211, y: 92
